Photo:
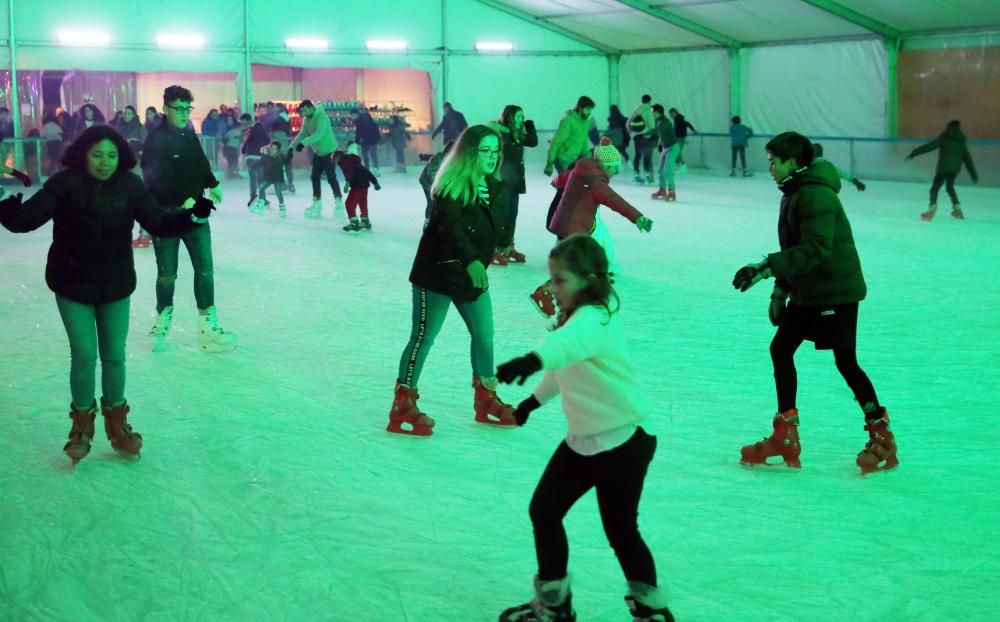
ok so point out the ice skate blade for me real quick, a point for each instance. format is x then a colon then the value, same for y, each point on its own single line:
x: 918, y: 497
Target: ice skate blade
x: 211, y: 348
x: 541, y: 311
x: 793, y: 463
x: 495, y: 423
x: 867, y: 469
x: 415, y: 431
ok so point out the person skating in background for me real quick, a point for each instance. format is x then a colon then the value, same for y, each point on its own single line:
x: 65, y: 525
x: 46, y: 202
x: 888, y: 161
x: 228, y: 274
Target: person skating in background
x: 739, y: 134
x: 175, y: 169
x: 642, y: 126
x: 271, y: 172
x: 681, y: 127
x: 570, y: 142
x: 257, y: 140
x: 318, y: 134
x: 515, y: 134
x: 87, y: 116
x: 281, y: 131
x: 153, y: 119
x: 818, y: 288
x: 367, y: 136
x: 357, y: 179
x: 618, y: 131
x: 841, y: 173
x: 93, y: 204
x: 587, y: 188
x: 52, y: 134
x: 134, y: 133
x: 429, y: 173
x: 585, y: 360
x: 232, y: 141
x: 952, y: 154
x: 399, y: 138
x: 456, y: 248
x: 670, y: 149
x: 452, y: 124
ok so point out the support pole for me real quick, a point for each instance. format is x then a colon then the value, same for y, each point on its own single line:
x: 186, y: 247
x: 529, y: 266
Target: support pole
x: 247, y: 66
x: 15, y: 98
x: 444, y: 50
x: 735, y: 80
x: 892, y: 77
x: 614, y: 81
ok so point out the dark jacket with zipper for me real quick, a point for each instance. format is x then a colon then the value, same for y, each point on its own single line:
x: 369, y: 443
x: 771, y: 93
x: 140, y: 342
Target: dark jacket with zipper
x: 457, y: 235
x: 952, y: 153
x: 818, y: 262
x: 512, y: 169
x: 174, y: 165
x: 90, y: 260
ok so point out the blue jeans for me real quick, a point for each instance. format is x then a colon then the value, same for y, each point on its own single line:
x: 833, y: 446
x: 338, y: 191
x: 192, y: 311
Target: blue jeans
x: 199, y: 246
x: 94, y: 329
x: 668, y: 157
x: 429, y: 311
x: 513, y: 201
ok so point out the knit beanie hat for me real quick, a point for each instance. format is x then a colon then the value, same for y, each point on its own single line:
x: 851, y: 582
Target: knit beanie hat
x: 607, y: 154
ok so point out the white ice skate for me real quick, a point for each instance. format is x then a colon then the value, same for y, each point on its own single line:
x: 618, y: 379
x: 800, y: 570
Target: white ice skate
x: 160, y: 329
x: 257, y: 207
x: 315, y: 210
x: 211, y: 337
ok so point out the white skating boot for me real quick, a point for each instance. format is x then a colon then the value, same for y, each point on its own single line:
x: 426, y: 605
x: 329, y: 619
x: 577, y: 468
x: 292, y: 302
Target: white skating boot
x: 257, y: 207
x: 160, y: 329
x: 315, y: 210
x: 553, y: 602
x: 211, y: 337
x: 647, y: 603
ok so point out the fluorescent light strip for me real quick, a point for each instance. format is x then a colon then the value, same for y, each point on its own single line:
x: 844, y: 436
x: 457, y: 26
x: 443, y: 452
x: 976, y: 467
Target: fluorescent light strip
x: 83, y: 37
x: 299, y: 43
x: 180, y: 41
x: 488, y: 46
x: 385, y: 45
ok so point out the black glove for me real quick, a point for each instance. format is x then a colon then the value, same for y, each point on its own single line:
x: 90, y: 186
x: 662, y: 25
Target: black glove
x: 299, y: 147
x: 378, y: 187
x: 524, y: 409
x: 529, y: 123
x: 860, y: 185
x: 776, y: 309
x: 751, y: 274
x: 291, y: 152
x: 22, y: 177
x: 518, y: 369
x: 12, y: 202
x: 203, y: 206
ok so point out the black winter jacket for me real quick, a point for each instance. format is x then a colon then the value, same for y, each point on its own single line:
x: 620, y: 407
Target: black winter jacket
x: 456, y: 236
x: 90, y: 260
x: 818, y: 261
x: 174, y: 165
x: 512, y: 169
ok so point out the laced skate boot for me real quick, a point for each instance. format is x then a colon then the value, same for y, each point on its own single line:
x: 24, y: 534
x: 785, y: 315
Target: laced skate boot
x: 659, y: 194
x: 647, y: 603
x: 281, y: 210
x: 405, y: 411
x: 732, y: 173
x: 315, y: 210
x: 929, y: 214
x: 499, y: 258
x: 490, y: 409
x: 123, y: 440
x: 671, y: 195
x: 142, y: 241
x: 637, y: 178
x: 366, y: 224
x: 553, y: 602
x: 82, y: 433
x: 160, y: 329
x: 353, y: 225
x: 783, y: 442
x: 956, y: 211
x: 516, y: 256
x: 747, y: 173
x: 257, y: 207
x: 211, y: 337
x: 880, y: 452
x: 544, y: 300
x: 649, y: 179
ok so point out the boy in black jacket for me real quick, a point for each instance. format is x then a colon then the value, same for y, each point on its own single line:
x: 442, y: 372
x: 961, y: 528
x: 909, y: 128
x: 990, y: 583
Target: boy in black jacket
x: 175, y: 169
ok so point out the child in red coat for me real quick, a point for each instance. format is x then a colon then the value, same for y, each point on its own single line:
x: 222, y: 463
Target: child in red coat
x: 357, y: 179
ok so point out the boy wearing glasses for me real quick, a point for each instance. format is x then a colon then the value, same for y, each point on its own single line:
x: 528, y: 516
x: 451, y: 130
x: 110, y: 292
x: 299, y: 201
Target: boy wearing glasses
x: 175, y: 168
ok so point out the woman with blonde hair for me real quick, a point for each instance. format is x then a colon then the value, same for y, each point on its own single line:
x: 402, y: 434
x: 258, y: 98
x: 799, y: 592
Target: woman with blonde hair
x: 468, y: 218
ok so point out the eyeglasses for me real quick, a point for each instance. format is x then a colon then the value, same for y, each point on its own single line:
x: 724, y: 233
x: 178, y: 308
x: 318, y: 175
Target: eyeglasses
x: 489, y: 153
x: 181, y: 109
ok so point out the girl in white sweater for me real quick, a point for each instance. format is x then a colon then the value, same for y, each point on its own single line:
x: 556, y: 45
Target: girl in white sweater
x: 585, y: 360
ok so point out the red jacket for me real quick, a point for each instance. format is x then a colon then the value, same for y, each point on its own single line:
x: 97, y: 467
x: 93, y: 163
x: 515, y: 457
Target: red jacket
x: 586, y: 189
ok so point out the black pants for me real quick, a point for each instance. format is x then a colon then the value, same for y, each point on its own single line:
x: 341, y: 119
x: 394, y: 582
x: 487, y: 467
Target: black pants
x: 618, y: 476
x: 829, y: 332
x: 324, y: 164
x: 553, y: 206
x: 369, y: 156
x: 949, y: 180
x: 643, y: 154
x: 742, y: 151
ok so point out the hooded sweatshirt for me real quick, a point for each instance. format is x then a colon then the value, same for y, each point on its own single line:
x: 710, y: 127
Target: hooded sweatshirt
x: 570, y: 141
x: 317, y: 133
x: 818, y: 262
x: 587, y: 188
x: 952, y: 153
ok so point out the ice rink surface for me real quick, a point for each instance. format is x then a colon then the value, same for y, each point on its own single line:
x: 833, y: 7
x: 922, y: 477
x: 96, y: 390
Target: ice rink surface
x: 268, y: 488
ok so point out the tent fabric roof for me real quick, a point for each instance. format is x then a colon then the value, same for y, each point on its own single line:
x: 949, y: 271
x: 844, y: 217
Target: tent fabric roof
x: 629, y: 26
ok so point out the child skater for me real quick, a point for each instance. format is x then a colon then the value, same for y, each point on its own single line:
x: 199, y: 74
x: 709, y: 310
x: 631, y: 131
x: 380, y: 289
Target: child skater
x: 586, y: 189
x: 356, y: 180
x: 271, y: 172
x: 93, y: 204
x: 586, y: 361
x: 841, y: 173
x: 952, y: 154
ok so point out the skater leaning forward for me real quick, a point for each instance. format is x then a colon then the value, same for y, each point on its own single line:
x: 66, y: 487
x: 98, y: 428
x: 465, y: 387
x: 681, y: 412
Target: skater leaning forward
x: 952, y: 154
x: 585, y: 361
x: 467, y: 223
x: 93, y: 204
x: 818, y: 288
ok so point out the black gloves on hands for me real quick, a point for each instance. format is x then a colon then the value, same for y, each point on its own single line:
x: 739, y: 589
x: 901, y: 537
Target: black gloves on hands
x: 524, y: 409
x: 203, y: 207
x: 378, y: 187
x: 644, y: 224
x: 751, y: 274
x: 860, y: 185
x: 519, y: 369
x: 299, y: 147
x: 776, y: 309
x: 12, y: 202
